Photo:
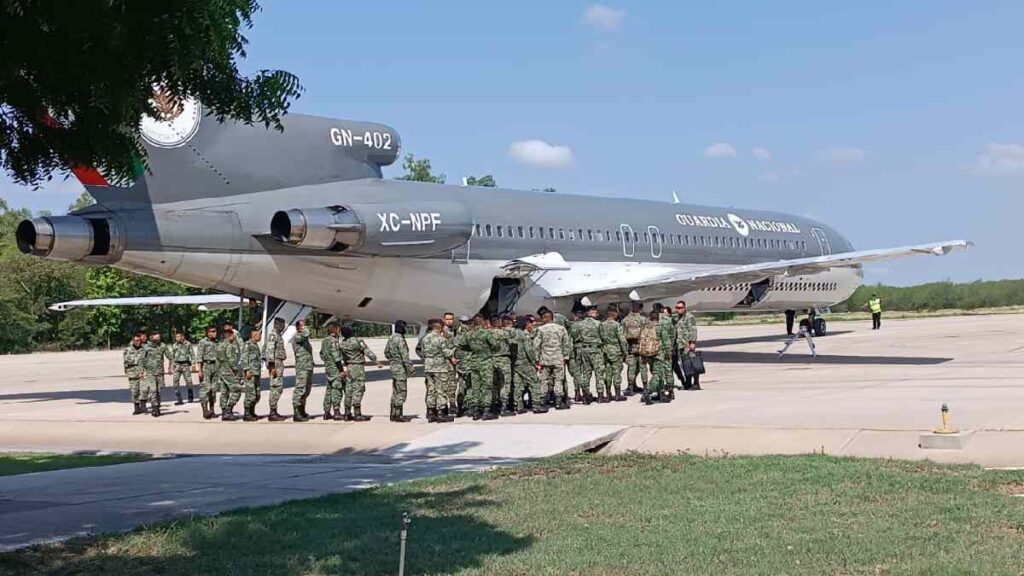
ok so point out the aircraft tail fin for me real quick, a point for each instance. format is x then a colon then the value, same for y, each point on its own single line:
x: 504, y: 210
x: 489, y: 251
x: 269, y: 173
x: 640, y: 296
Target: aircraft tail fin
x: 193, y: 156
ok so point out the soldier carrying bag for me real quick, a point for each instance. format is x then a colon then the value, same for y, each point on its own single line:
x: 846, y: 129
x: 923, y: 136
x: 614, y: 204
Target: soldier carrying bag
x: 649, y: 345
x: 693, y: 363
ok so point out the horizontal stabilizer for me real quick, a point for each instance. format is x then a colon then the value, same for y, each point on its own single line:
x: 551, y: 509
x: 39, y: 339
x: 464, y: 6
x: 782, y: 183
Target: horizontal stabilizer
x: 206, y: 301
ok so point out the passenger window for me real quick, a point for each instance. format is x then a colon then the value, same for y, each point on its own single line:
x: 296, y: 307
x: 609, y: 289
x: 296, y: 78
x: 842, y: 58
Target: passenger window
x: 647, y: 238
x: 618, y: 236
x: 488, y: 230
x: 541, y: 231
x: 636, y: 237
x: 571, y: 236
x: 561, y: 234
x: 498, y: 228
x: 531, y: 232
x: 519, y: 229
x: 551, y: 233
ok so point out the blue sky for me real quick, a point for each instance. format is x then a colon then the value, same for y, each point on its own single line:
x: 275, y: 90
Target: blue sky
x: 895, y: 124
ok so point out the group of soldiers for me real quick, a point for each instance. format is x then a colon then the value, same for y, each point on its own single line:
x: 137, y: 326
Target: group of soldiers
x: 483, y: 368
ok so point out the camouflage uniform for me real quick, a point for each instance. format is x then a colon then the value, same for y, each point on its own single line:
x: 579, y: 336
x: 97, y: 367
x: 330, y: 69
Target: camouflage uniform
x: 252, y: 361
x: 456, y: 391
x: 302, y: 350
x: 479, y: 346
x: 661, y: 365
x: 573, y: 361
x: 274, y: 354
x: 686, y: 332
x: 552, y: 345
x: 397, y: 353
x: 162, y: 351
x: 589, y: 355
x: 613, y: 344
x: 330, y: 353
x: 180, y: 354
x: 355, y: 353
x: 526, y: 370
x: 437, y: 369
x: 152, y: 364
x: 206, y: 357
x: 134, y: 370
x: 502, y: 359
x: 229, y: 360
x: 635, y: 363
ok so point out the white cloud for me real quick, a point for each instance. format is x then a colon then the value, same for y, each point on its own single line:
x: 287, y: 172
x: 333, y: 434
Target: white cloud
x: 842, y: 155
x: 604, y: 18
x: 1000, y: 159
x: 541, y: 154
x: 761, y: 153
x: 768, y: 177
x: 720, y: 150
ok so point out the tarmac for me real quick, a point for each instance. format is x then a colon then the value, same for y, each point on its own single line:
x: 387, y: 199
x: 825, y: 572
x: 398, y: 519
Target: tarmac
x: 868, y: 393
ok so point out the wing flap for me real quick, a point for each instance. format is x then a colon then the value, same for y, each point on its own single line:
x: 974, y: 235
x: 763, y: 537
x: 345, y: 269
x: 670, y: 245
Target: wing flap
x: 212, y: 301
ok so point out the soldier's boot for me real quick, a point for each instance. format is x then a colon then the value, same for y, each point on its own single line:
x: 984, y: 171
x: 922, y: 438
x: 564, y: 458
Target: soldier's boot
x: 550, y: 400
x: 505, y: 412
x: 431, y: 415
x: 478, y: 414
x: 359, y: 417
x: 348, y: 414
x: 298, y: 416
x: 138, y: 409
x: 275, y: 417
x: 647, y: 398
x: 179, y: 401
x: 337, y: 414
x: 250, y: 415
x: 618, y: 396
x: 327, y: 413
x: 156, y: 411
x: 588, y: 398
x: 228, y: 416
x: 538, y: 409
x: 142, y: 407
x: 629, y: 390
x: 191, y: 398
x: 578, y: 397
x: 489, y: 415
x: 563, y: 403
x: 600, y: 397
x: 444, y: 411
x: 400, y: 417
x: 670, y: 396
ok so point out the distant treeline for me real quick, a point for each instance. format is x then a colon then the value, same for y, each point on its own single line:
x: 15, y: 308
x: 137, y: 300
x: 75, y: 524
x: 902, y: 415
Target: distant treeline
x: 939, y: 296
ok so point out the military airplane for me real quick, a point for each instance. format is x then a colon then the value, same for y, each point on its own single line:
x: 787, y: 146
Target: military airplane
x: 303, y: 219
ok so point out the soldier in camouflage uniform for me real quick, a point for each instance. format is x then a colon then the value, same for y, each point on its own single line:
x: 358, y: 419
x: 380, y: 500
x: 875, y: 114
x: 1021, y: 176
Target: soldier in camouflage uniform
x: 551, y: 342
x: 134, y: 371
x: 153, y: 365
x: 274, y: 355
x: 181, y: 357
x: 502, y: 358
x: 302, y: 350
x: 206, y: 358
x: 686, y: 341
x: 575, y: 356
x: 252, y: 367
x: 479, y: 346
x: 156, y: 343
x: 334, y: 369
x: 636, y: 365
x: 397, y: 353
x: 590, y: 356
x: 438, y: 355
x: 229, y: 362
x: 661, y: 365
x: 614, y: 347
x: 355, y: 353
x: 456, y: 392
x: 526, y: 365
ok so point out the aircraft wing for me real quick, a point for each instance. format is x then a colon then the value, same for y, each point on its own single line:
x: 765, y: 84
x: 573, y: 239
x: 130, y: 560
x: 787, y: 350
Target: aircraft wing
x: 665, y: 284
x: 206, y: 301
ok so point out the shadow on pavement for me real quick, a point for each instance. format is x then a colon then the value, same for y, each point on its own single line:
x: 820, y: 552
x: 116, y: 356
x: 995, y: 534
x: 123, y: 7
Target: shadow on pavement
x: 800, y: 356
x: 355, y: 533
x: 781, y: 337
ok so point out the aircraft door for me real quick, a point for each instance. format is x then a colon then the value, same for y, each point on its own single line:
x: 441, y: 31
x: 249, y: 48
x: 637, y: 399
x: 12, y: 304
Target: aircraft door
x: 823, y: 241
x: 504, y: 295
x: 628, y: 244
x: 655, y: 241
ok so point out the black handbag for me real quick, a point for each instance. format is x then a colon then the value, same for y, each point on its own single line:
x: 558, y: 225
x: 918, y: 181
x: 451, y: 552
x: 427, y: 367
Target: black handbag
x: 693, y: 363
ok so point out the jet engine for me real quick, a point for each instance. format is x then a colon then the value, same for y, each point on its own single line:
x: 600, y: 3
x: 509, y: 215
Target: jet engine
x: 96, y: 239
x: 415, y: 229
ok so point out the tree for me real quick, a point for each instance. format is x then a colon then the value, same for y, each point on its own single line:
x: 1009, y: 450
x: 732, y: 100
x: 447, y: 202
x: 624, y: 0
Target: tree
x: 419, y: 171
x: 485, y: 181
x: 76, y: 77
x: 548, y: 189
x: 84, y: 200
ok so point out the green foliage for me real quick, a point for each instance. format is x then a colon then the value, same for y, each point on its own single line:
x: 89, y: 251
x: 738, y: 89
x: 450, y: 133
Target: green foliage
x: 75, y: 78
x: 84, y: 200
x: 419, y: 171
x: 939, y: 296
x: 486, y: 181
x: 25, y: 462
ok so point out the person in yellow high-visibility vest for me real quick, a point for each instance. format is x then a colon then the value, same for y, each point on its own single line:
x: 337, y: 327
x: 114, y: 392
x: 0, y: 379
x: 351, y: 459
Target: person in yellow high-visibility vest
x: 875, y: 305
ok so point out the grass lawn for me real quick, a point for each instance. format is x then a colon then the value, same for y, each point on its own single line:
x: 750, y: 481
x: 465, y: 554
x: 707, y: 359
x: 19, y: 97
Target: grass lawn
x: 24, y: 462
x: 593, y: 514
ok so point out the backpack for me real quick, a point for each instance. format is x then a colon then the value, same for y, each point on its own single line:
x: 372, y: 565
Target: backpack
x: 649, y: 345
x: 633, y: 329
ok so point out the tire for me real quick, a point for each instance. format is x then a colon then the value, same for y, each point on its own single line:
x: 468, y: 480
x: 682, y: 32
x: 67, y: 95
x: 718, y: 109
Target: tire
x: 820, y: 328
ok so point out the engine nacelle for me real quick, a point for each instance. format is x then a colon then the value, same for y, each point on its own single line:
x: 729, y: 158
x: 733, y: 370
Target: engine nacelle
x: 415, y: 229
x: 95, y: 239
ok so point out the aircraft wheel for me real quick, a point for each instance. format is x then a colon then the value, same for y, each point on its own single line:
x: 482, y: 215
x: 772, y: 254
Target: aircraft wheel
x: 820, y: 328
